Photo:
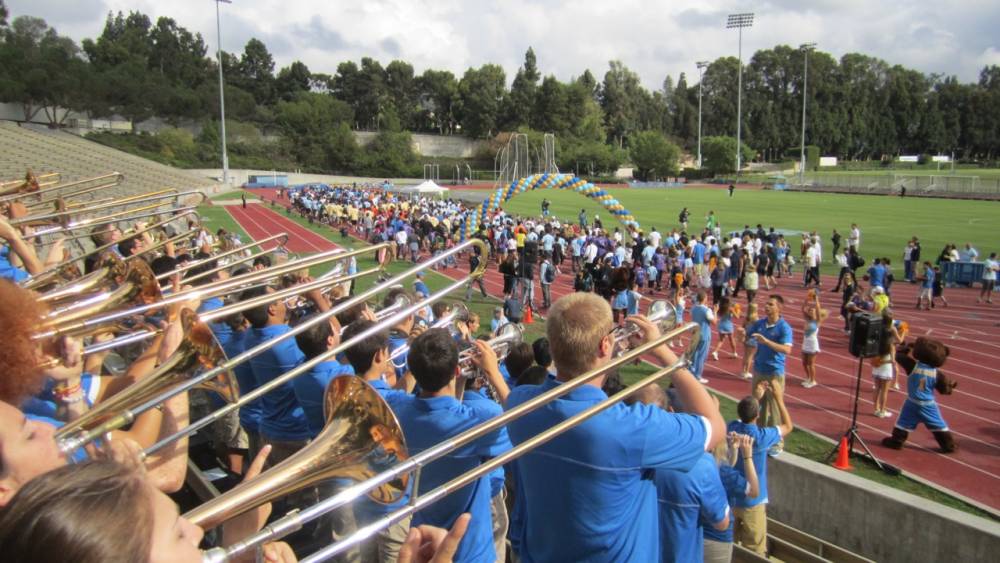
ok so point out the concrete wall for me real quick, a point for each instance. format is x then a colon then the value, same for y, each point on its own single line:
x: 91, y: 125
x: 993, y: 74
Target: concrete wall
x: 873, y: 520
x: 452, y: 146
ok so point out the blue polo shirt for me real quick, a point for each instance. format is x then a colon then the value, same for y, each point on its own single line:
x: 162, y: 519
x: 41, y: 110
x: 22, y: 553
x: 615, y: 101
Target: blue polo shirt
x: 428, y: 421
x: 222, y: 331
x: 734, y: 483
x: 310, y: 390
x: 44, y: 403
x: 397, y: 339
x: 366, y: 510
x: 689, y: 501
x: 250, y: 412
x: 478, y: 401
x: 8, y: 270
x: 763, y: 440
x: 698, y: 255
x: 767, y: 361
x: 282, y: 417
x: 586, y: 493
x: 928, y: 282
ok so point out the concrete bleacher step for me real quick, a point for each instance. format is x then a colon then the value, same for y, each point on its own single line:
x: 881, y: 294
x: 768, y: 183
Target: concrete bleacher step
x: 791, y: 545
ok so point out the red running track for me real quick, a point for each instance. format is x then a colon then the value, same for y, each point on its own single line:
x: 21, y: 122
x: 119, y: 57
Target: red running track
x: 260, y: 222
x: 972, y: 412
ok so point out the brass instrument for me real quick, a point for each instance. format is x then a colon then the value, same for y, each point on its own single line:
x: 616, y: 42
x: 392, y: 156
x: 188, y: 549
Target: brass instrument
x: 87, y: 325
x: 361, y: 439
x: 196, y: 263
x: 113, y: 179
x: 199, y: 350
x: 220, y: 313
x: 296, y: 519
x: 661, y: 313
x: 507, y: 335
x: 28, y: 182
x: 323, y: 317
x: 66, y: 225
x: 58, y: 273
x: 72, y: 440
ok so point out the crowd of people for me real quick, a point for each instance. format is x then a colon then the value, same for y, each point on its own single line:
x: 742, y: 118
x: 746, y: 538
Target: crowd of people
x: 661, y: 476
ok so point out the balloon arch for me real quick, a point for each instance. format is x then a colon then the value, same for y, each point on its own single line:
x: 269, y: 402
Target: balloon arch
x: 551, y: 182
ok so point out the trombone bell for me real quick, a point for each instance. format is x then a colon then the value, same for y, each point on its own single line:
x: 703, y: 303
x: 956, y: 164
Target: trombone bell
x: 360, y: 440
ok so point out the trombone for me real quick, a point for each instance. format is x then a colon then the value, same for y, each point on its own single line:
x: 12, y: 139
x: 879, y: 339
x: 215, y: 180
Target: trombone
x: 45, y: 277
x: 230, y: 252
x: 115, y: 177
x: 237, y: 500
x: 57, y: 327
x: 70, y: 439
x: 208, y: 317
x: 128, y: 415
x: 199, y: 350
x: 66, y: 225
x: 7, y: 185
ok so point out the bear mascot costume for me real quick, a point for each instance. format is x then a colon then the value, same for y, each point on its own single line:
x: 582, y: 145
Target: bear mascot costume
x: 921, y: 361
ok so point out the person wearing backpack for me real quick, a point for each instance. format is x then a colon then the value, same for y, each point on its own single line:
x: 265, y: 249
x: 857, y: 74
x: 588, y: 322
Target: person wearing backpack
x: 548, y: 275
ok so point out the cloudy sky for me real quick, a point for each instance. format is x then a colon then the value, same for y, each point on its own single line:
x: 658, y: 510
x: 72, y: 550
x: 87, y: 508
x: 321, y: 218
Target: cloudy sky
x: 654, y: 38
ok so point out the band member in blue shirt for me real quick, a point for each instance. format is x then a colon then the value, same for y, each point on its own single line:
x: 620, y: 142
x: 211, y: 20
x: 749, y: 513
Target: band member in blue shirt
x: 774, y: 342
x: 750, y: 529
x: 436, y: 415
x: 370, y: 360
x: 593, y: 476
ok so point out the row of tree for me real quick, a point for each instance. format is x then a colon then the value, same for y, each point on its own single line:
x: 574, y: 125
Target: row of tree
x: 859, y: 107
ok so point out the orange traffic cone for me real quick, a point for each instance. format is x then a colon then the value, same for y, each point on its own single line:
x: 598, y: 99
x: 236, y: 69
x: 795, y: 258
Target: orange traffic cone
x: 528, y: 318
x: 843, y: 456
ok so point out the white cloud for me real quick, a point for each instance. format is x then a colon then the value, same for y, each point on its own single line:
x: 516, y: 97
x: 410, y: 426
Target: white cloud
x: 654, y: 38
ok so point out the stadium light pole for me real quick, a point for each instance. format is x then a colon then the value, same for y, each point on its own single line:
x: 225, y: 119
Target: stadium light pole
x: 222, y: 95
x: 739, y: 21
x: 806, y: 48
x: 701, y: 66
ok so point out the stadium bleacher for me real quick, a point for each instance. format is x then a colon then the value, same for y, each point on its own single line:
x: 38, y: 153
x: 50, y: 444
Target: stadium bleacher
x: 76, y: 158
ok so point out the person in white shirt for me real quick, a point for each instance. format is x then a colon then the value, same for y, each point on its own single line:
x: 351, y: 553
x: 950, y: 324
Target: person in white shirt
x: 811, y: 266
x: 655, y: 237
x: 989, y: 278
x: 400, y: 238
x: 854, y: 239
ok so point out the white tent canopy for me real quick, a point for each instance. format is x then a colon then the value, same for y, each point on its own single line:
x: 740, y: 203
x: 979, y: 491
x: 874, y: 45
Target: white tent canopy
x: 428, y: 187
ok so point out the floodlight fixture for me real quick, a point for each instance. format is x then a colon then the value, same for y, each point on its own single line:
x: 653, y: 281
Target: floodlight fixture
x: 805, y: 48
x: 739, y: 21
x: 701, y: 66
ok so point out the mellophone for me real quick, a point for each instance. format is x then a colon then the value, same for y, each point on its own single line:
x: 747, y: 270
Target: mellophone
x: 362, y: 440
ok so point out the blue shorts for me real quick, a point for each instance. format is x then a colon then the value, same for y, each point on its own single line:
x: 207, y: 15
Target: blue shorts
x: 913, y: 414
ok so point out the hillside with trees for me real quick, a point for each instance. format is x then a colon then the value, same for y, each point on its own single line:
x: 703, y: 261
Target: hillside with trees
x: 860, y: 107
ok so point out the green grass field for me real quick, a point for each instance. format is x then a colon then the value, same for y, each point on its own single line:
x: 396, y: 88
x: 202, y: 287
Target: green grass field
x: 886, y: 222
x: 568, y: 205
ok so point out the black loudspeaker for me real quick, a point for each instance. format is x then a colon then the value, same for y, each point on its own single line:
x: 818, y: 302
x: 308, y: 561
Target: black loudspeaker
x: 531, y: 251
x: 866, y: 335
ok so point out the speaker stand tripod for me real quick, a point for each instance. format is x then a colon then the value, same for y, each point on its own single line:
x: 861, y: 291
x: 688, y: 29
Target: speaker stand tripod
x: 853, y: 436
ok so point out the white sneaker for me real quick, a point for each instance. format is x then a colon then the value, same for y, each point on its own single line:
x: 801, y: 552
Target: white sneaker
x: 715, y: 356
x: 703, y: 381
x: 747, y: 375
x: 809, y: 384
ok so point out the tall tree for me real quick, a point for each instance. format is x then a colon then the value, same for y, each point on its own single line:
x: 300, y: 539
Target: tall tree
x: 653, y: 155
x: 482, y: 94
x: 521, y: 106
x: 401, y: 86
x: 293, y: 79
x: 256, y: 71
x: 440, y: 100
x: 620, y: 96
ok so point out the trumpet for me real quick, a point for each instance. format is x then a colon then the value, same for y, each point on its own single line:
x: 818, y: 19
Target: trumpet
x: 661, y: 314
x: 296, y: 519
x: 507, y: 335
x: 459, y: 312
